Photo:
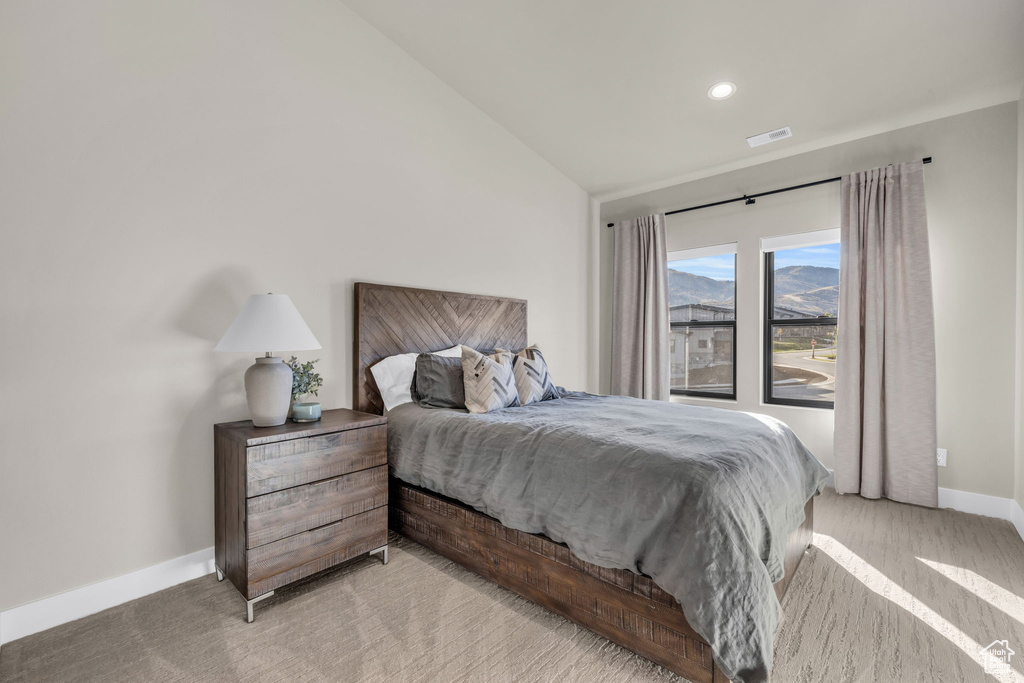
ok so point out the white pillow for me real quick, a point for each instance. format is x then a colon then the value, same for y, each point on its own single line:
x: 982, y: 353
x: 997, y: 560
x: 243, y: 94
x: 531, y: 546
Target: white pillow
x: 394, y: 376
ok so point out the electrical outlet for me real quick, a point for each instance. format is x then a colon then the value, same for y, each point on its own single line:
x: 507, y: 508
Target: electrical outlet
x: 940, y: 456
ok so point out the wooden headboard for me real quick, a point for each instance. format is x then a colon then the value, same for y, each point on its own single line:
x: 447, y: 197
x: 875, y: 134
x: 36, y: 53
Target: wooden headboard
x: 390, y: 320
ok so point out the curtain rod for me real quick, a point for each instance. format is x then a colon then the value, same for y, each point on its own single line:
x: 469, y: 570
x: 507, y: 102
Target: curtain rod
x: 749, y: 199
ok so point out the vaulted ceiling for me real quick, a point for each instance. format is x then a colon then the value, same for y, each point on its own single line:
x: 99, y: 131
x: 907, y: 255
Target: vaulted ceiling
x: 614, y: 94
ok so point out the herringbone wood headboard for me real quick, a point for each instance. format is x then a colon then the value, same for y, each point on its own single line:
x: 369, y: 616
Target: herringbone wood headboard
x: 390, y: 320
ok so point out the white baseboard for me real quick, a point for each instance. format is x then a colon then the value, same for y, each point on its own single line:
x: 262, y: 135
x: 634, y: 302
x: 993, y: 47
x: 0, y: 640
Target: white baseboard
x: 40, y: 615
x: 1017, y: 517
x: 975, y: 503
x: 981, y: 504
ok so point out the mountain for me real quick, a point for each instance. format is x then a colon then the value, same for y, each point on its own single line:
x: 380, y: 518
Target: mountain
x: 686, y: 288
x: 794, y: 279
x: 810, y: 289
x: 824, y: 301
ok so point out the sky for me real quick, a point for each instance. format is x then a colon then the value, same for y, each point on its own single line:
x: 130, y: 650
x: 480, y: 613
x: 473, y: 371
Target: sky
x: 714, y: 267
x: 823, y: 255
x: 724, y: 267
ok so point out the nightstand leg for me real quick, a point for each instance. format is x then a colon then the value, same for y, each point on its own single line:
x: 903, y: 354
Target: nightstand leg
x: 383, y: 550
x: 250, y: 603
x: 220, y: 574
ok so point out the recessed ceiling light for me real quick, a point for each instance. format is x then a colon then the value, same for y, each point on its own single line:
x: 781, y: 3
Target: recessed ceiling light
x: 720, y: 91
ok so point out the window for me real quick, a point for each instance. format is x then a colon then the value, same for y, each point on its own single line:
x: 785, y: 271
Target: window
x: 702, y: 316
x: 801, y: 305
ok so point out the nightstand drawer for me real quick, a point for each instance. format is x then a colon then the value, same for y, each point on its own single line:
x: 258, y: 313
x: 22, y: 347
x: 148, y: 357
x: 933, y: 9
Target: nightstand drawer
x: 281, y: 465
x: 295, y: 557
x: 284, y: 513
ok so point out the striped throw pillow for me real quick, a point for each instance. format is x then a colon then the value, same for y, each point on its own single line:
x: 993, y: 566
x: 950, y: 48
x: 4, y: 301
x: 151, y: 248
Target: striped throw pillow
x: 533, y: 381
x: 489, y: 382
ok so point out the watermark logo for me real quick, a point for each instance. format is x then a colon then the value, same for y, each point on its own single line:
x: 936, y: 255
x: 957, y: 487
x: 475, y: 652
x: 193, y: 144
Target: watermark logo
x: 996, y: 657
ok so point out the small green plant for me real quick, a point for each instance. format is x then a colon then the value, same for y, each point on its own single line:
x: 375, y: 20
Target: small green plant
x: 304, y: 379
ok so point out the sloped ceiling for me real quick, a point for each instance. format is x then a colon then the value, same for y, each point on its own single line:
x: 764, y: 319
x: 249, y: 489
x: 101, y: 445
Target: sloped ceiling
x: 614, y: 93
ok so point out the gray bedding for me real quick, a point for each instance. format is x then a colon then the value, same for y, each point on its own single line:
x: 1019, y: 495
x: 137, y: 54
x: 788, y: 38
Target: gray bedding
x: 702, y: 500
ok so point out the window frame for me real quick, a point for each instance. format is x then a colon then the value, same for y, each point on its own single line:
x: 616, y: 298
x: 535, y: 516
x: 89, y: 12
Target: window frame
x: 770, y: 323
x: 719, y: 250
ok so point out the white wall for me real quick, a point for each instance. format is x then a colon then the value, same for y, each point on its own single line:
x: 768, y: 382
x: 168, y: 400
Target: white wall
x: 971, y: 193
x: 162, y: 161
x: 1019, y: 408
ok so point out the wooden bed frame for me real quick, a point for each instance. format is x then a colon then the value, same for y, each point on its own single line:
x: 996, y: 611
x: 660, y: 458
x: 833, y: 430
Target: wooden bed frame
x: 627, y: 609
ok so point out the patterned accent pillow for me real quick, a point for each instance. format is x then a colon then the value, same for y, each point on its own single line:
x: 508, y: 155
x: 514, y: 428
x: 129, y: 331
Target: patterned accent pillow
x: 533, y: 381
x: 489, y: 382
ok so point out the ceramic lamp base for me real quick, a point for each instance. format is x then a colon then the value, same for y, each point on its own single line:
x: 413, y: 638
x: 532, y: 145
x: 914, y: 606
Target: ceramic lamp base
x: 268, y: 389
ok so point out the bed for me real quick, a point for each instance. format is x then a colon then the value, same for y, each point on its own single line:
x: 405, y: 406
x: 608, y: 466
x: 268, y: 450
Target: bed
x: 625, y: 607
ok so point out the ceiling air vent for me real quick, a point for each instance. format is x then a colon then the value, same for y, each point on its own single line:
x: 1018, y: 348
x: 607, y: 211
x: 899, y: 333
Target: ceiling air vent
x: 770, y: 136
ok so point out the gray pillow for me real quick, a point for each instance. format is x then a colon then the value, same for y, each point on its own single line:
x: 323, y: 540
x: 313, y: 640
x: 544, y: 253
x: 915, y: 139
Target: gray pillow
x: 438, y: 382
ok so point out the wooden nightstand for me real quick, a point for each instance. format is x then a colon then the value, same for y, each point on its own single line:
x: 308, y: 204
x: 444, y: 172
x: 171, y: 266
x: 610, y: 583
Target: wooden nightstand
x: 293, y: 500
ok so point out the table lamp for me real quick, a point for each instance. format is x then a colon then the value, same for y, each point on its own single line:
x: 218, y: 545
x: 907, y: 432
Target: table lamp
x: 268, y: 321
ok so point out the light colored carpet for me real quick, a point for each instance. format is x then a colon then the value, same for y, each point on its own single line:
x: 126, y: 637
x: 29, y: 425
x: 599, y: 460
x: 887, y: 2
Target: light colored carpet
x: 889, y: 593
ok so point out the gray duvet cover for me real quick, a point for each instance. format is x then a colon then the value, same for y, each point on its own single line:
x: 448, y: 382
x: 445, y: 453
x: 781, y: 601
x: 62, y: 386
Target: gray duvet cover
x: 702, y: 500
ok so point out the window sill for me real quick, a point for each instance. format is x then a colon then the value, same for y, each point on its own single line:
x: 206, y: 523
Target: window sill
x: 765, y: 404
x: 684, y: 398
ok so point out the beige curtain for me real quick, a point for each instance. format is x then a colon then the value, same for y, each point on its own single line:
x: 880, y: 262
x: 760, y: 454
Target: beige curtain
x: 885, y: 426
x: 640, y: 364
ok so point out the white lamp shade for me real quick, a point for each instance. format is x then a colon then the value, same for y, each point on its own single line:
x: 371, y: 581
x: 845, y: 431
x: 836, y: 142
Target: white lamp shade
x: 268, y: 322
